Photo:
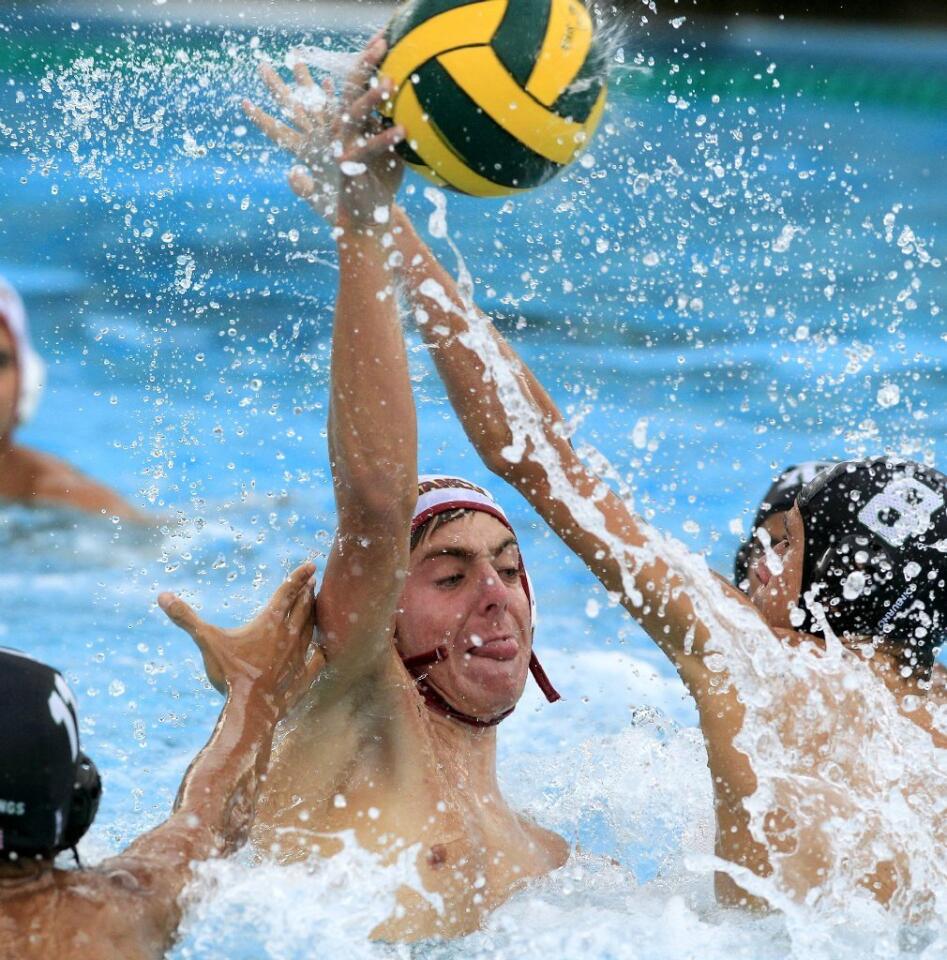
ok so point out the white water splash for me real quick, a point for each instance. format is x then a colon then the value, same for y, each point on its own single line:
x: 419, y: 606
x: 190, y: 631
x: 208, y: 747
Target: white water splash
x: 236, y: 909
x: 336, y: 63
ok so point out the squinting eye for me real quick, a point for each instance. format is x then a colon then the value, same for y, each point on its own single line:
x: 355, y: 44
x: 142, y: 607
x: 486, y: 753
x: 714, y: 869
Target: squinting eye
x: 450, y: 581
x: 6, y: 360
x: 510, y: 573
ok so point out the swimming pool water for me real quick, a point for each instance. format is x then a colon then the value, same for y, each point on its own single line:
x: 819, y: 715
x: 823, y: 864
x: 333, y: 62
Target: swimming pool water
x: 739, y: 275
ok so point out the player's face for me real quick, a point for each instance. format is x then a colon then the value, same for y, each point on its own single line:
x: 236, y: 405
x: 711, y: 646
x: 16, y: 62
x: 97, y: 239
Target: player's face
x: 775, y: 567
x: 464, y: 590
x: 9, y: 383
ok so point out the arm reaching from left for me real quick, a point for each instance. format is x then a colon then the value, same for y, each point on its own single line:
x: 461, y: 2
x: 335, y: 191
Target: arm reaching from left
x: 40, y: 479
x: 262, y: 671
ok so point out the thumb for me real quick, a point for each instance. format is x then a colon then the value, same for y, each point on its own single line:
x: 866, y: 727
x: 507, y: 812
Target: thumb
x: 305, y: 187
x: 180, y: 613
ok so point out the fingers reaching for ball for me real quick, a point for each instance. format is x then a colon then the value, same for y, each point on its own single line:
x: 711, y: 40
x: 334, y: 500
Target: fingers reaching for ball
x: 274, y: 83
x: 302, y: 76
x: 367, y: 65
x: 292, y: 105
x: 280, y: 133
x: 350, y: 166
x: 302, y: 183
x: 377, y: 146
x: 361, y: 115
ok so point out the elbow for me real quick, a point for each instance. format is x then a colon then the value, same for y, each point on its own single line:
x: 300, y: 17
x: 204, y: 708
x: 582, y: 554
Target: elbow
x: 515, y: 466
x: 382, y: 499
x: 502, y: 467
x: 492, y: 441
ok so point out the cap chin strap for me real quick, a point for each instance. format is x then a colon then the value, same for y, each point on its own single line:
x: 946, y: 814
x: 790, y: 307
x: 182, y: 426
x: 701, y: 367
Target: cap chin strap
x: 434, y: 699
x: 542, y: 681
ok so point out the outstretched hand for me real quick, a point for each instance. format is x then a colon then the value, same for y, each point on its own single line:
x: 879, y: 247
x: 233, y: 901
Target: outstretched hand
x: 350, y: 172
x: 269, y: 651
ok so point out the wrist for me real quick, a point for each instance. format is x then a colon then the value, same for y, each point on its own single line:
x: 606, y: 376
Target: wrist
x: 363, y: 248
x: 253, y: 697
x: 375, y: 224
x: 353, y: 234
x: 346, y: 226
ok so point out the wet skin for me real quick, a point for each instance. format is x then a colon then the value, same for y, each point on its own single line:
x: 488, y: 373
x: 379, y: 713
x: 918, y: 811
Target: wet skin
x: 403, y: 773
x: 33, y: 478
x: 664, y: 599
x: 376, y: 761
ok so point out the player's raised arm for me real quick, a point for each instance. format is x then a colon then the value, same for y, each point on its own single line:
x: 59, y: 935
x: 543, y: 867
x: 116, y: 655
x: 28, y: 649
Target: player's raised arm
x: 353, y: 174
x: 611, y: 540
x: 614, y: 543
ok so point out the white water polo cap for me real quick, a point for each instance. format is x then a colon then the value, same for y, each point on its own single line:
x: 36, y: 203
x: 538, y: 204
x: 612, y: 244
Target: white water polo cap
x: 438, y: 494
x: 31, y: 370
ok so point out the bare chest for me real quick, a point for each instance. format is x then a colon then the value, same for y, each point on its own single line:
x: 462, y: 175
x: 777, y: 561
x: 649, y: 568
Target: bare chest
x: 469, y: 853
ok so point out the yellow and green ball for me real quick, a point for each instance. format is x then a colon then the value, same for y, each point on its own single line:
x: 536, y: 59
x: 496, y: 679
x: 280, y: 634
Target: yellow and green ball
x: 496, y: 96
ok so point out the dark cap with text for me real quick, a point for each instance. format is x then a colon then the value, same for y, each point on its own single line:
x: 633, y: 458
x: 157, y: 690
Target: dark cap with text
x: 39, y: 756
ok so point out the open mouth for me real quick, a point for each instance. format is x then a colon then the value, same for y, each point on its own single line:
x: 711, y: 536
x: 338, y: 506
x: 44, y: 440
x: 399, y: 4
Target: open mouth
x: 503, y: 647
x: 763, y: 573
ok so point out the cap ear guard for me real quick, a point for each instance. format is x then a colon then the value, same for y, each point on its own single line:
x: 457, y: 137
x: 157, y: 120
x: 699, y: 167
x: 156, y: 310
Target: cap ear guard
x: 31, y: 370
x: 854, y: 571
x: 86, y: 793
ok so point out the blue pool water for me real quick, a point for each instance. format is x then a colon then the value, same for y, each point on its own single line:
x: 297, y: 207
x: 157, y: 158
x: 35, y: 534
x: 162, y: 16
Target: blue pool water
x: 745, y: 271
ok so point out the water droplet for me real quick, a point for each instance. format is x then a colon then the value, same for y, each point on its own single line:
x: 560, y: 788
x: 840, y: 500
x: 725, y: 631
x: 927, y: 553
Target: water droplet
x: 889, y: 395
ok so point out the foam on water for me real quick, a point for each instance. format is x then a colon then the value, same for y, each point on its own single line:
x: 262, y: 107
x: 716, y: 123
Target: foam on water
x: 238, y: 910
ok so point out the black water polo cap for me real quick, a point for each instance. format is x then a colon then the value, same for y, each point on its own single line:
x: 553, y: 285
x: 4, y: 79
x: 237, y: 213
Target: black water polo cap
x: 876, y: 554
x: 44, y: 777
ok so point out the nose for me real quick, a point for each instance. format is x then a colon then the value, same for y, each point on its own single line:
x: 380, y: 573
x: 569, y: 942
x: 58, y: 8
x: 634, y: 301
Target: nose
x: 494, y: 596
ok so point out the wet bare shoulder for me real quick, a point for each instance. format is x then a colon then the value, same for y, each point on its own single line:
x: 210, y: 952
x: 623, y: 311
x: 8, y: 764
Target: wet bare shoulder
x: 83, y: 915
x: 938, y: 692
x: 807, y: 642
